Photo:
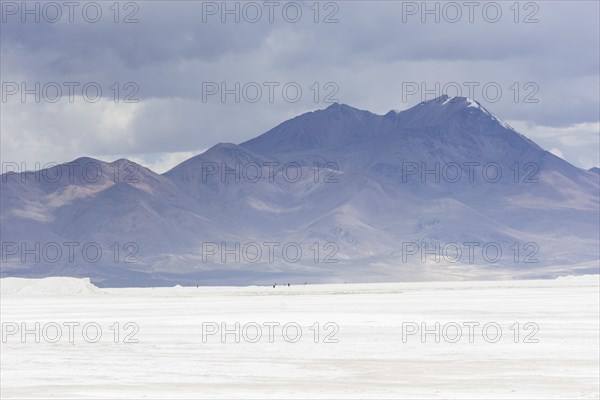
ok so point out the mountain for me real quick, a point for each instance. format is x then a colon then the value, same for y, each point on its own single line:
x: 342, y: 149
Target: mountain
x: 444, y: 190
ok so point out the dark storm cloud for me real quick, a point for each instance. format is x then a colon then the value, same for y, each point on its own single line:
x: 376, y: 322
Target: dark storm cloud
x: 370, y: 54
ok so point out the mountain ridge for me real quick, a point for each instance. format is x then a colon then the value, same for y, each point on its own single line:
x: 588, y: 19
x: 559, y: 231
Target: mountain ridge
x: 445, y: 171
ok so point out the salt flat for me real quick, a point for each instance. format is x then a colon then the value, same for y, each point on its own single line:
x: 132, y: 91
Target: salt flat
x: 369, y: 342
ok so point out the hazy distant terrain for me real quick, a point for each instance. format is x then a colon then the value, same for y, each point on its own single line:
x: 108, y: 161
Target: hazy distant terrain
x: 364, y: 197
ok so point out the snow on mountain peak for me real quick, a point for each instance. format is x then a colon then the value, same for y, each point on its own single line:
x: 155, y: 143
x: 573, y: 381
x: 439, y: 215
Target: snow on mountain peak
x: 444, y: 100
x: 444, y: 106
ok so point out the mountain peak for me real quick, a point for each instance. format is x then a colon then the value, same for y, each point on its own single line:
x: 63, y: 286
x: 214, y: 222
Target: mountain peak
x: 340, y: 106
x: 344, y: 109
x: 444, y: 104
x: 457, y: 101
x: 86, y: 160
x: 438, y: 110
x: 122, y: 160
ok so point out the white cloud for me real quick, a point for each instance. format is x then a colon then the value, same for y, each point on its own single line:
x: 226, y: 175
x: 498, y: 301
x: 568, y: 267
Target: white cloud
x: 162, y: 162
x: 578, y: 143
x: 557, y: 152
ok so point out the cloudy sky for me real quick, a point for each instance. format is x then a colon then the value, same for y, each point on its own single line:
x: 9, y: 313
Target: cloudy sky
x: 177, y: 77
